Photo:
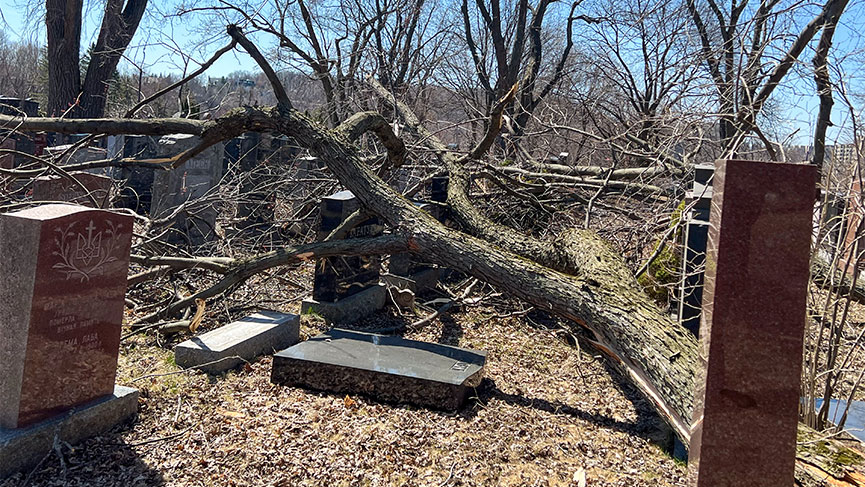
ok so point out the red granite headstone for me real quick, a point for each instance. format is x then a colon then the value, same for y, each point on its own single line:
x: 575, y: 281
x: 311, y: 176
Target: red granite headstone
x: 752, y: 330
x: 61, y: 188
x: 7, y: 161
x: 62, y: 291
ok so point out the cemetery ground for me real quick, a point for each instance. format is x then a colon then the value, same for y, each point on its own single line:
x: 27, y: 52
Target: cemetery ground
x: 547, y: 413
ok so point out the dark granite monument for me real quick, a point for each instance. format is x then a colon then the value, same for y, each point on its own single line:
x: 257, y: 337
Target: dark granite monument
x: 64, y: 270
x: 188, y: 184
x: 754, y: 306
x: 388, y: 368
x: 63, y: 189
x: 345, y: 288
x: 696, y: 234
x: 137, y: 194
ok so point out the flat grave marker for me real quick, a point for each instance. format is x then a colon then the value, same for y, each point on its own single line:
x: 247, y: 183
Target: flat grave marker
x: 385, y: 367
x: 228, y: 346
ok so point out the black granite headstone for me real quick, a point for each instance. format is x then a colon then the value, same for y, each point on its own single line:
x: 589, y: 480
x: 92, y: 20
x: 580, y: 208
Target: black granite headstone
x: 694, y: 252
x: 340, y: 277
x: 388, y: 368
x: 138, y: 192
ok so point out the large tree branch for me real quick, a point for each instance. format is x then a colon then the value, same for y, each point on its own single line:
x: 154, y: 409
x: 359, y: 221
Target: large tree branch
x: 363, y: 122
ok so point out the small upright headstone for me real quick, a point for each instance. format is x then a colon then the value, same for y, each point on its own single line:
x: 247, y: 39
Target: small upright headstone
x: 699, y: 199
x: 754, y: 307
x: 80, y: 191
x: 338, y: 278
x: 345, y: 288
x: 188, y: 183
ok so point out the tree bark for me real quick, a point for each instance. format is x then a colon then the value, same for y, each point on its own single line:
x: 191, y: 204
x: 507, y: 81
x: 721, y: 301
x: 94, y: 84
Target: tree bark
x: 63, y: 26
x: 601, y: 297
x: 119, y: 24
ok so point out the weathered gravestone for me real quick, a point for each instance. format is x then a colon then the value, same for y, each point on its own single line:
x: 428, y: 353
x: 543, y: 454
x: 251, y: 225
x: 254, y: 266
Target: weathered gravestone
x: 254, y: 205
x: 80, y: 191
x: 345, y: 289
x: 78, y: 155
x: 64, y: 270
x: 754, y: 305
x: 138, y: 191
x: 188, y: 185
x: 389, y: 368
x: 243, y: 340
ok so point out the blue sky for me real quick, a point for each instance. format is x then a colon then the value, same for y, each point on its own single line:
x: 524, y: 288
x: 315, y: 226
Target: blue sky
x: 156, y: 43
x: 163, y: 35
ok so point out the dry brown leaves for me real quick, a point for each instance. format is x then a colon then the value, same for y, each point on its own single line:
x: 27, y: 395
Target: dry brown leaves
x: 544, y: 416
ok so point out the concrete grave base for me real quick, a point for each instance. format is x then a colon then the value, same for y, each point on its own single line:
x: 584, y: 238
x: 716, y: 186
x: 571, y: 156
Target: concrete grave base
x: 228, y: 346
x: 348, y: 310
x: 23, y: 448
x: 388, y: 368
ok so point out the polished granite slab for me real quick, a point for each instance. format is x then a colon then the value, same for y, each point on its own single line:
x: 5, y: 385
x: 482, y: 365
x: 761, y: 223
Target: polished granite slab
x: 755, y: 297
x: 388, y: 368
x: 240, y: 341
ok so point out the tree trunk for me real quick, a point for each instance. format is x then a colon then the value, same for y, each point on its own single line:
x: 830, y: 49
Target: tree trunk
x: 119, y: 24
x: 63, y: 26
x: 601, y: 297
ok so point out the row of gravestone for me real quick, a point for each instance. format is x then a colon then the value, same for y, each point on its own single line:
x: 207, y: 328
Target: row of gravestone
x: 63, y: 275
x: 63, y: 271
x: 161, y: 193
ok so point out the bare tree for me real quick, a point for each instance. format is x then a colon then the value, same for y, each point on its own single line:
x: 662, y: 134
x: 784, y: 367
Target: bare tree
x: 67, y: 92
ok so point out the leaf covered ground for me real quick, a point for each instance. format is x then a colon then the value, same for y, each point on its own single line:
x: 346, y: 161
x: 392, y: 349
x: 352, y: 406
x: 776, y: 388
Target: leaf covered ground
x: 547, y: 414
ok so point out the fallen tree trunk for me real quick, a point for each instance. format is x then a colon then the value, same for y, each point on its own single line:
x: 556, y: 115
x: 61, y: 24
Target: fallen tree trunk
x: 598, y: 294
x: 601, y: 295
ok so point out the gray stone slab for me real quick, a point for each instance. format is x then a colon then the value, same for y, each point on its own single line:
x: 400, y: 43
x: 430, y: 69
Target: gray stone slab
x: 23, y: 448
x: 388, y: 368
x: 348, y: 310
x: 228, y: 346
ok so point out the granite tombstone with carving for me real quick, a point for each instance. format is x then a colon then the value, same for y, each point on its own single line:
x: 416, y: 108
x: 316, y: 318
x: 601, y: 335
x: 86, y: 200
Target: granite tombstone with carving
x: 64, y: 270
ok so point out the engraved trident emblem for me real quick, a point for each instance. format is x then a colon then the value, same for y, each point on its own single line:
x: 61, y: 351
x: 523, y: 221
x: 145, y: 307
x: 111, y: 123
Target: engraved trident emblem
x: 89, y: 248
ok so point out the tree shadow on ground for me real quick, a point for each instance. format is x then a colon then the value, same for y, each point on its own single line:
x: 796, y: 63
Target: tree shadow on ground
x: 451, y: 332
x: 104, y: 460
x: 647, y: 425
